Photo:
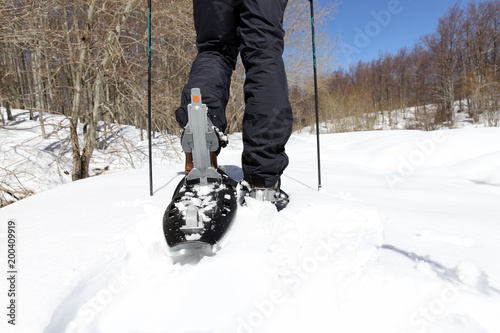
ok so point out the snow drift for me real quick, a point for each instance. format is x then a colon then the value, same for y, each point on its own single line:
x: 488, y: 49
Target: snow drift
x: 403, y: 238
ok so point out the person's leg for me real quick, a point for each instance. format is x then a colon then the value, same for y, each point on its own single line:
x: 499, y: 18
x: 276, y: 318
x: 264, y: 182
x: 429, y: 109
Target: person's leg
x: 267, y: 123
x: 217, y: 42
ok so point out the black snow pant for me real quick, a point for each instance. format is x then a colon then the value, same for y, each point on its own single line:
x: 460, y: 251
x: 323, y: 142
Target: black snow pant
x: 253, y: 29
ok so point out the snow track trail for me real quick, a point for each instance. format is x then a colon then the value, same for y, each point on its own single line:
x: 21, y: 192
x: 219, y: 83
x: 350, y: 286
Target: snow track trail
x: 272, y: 256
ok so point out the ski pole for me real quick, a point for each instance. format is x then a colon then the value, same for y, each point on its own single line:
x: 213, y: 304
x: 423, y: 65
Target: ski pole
x: 149, y: 102
x: 316, y: 93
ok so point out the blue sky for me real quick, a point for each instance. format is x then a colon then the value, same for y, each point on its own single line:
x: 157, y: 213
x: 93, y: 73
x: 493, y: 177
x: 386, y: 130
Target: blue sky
x: 371, y: 27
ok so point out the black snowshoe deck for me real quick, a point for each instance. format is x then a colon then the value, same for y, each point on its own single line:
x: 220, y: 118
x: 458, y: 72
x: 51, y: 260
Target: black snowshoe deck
x: 199, y: 216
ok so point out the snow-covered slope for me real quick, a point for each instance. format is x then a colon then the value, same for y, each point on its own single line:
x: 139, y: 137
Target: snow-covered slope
x: 32, y: 163
x: 402, y: 238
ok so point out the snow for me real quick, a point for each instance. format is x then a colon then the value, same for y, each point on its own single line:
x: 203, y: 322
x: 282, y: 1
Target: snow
x: 402, y: 238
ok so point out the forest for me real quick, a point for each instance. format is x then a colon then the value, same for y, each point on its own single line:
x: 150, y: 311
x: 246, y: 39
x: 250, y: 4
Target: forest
x: 458, y: 63
x: 87, y: 60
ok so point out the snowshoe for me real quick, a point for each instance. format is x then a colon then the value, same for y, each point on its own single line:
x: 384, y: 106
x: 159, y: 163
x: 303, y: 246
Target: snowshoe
x: 204, y: 203
x: 274, y: 195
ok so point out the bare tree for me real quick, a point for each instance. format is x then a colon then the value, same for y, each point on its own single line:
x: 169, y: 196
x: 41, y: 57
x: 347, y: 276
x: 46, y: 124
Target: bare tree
x: 444, y: 46
x: 480, y: 57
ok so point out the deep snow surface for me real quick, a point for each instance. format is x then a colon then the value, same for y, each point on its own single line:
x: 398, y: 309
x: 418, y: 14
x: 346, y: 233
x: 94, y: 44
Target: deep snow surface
x: 402, y: 238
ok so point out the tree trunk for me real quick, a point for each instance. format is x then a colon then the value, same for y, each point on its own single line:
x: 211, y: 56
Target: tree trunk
x: 80, y: 160
x: 9, y: 112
